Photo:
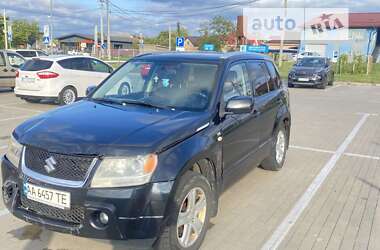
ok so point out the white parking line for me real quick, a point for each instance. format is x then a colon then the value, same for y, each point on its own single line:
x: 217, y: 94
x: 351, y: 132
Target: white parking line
x: 312, y: 149
x: 15, y: 118
x: 332, y: 152
x: 282, y: 230
x: 4, y: 212
x: 363, y: 156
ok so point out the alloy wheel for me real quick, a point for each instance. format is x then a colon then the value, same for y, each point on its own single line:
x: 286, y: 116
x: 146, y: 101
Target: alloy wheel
x: 280, y: 146
x: 191, y: 217
x: 68, y: 96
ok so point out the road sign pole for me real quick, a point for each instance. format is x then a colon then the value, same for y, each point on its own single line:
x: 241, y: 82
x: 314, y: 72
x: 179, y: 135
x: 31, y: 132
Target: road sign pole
x: 170, y: 37
x: 108, y: 30
x: 5, y: 30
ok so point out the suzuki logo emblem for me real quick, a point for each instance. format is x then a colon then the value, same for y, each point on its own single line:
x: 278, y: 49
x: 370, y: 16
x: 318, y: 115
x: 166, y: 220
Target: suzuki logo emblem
x: 50, y: 164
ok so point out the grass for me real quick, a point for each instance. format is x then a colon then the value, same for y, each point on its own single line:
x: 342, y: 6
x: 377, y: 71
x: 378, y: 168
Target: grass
x: 373, y: 77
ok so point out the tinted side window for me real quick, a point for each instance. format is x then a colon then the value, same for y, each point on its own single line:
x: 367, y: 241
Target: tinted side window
x: 2, y: 59
x: 275, y: 78
x: 66, y: 64
x: 27, y: 53
x: 236, y: 83
x: 81, y: 64
x: 98, y: 66
x: 41, y: 53
x: 15, y: 60
x: 259, y: 77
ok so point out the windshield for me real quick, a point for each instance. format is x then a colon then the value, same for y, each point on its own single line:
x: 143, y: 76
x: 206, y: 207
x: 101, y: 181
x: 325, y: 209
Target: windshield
x: 311, y: 62
x: 179, y: 85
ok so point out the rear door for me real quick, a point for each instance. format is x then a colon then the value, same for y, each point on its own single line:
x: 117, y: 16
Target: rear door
x: 6, y: 77
x: 78, y: 73
x: 8, y: 73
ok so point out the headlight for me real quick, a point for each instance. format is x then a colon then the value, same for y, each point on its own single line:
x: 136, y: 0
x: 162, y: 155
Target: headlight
x: 14, y: 151
x: 123, y: 172
x: 317, y: 76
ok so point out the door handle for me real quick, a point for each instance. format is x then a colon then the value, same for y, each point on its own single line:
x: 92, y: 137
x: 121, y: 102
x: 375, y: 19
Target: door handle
x: 13, y: 70
x: 5, y: 70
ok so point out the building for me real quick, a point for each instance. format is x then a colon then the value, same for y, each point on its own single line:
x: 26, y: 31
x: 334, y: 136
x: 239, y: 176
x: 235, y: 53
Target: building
x: 192, y: 43
x: 364, y: 39
x: 85, y: 43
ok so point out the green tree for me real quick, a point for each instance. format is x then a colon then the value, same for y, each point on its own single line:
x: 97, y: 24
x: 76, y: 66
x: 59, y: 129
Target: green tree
x: 24, y: 32
x: 220, y: 26
x: 211, y: 40
x: 163, y: 38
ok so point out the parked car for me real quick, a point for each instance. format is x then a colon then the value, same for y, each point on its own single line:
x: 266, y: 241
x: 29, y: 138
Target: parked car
x: 59, y: 78
x: 9, y: 63
x: 30, y: 53
x: 312, y: 71
x: 148, y: 166
x: 301, y: 55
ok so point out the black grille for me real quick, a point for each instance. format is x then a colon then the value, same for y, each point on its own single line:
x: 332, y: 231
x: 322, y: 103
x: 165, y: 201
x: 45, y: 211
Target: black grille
x: 74, y: 215
x: 67, y: 167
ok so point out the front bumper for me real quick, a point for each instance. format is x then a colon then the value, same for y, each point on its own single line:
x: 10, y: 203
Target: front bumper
x: 136, y: 214
x: 310, y: 82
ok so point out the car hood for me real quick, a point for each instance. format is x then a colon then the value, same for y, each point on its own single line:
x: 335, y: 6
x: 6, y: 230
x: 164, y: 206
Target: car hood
x: 307, y: 70
x: 101, y: 129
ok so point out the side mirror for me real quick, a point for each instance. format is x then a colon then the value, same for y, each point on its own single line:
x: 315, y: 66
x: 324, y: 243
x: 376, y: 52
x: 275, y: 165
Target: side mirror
x: 239, y: 105
x: 90, y: 89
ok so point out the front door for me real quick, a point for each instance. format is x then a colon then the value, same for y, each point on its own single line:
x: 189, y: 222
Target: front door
x: 239, y: 132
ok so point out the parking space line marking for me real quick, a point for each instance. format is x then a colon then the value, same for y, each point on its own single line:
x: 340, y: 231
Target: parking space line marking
x: 23, y: 109
x: 373, y: 114
x: 312, y: 149
x: 15, y: 118
x: 282, y: 230
x: 4, y: 212
x: 363, y: 156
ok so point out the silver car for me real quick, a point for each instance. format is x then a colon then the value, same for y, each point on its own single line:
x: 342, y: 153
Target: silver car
x: 9, y: 63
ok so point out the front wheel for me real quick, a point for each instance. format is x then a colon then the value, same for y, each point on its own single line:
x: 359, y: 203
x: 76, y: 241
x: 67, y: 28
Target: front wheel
x: 189, y: 214
x: 276, y: 159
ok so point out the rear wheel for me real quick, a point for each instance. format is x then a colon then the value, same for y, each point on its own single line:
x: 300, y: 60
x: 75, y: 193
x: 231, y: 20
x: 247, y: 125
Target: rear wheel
x: 276, y: 159
x: 68, y: 96
x: 189, y: 214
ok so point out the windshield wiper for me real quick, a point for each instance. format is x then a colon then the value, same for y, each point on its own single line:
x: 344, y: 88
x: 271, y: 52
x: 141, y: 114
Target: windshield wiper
x: 145, y: 103
x: 107, y: 100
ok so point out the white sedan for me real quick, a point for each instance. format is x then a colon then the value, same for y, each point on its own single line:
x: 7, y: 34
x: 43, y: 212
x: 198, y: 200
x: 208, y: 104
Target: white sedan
x: 61, y: 78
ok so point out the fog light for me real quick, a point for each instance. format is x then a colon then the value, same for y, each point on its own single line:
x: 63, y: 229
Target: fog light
x: 103, y: 218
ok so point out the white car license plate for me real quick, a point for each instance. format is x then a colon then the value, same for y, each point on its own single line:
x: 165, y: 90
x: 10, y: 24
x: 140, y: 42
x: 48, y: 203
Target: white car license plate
x: 51, y: 197
x: 28, y: 79
x: 303, y: 79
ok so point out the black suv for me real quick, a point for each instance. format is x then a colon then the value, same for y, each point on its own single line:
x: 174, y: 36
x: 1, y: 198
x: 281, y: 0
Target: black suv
x: 312, y: 72
x: 146, y: 155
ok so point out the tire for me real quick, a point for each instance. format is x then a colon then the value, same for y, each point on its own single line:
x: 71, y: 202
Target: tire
x: 323, y: 85
x: 274, y: 162
x: 331, y: 83
x: 68, y: 96
x: 32, y: 100
x: 190, y: 183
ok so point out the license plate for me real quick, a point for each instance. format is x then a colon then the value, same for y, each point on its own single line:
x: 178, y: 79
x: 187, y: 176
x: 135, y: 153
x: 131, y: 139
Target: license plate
x: 28, y: 79
x: 51, y: 197
x: 303, y: 79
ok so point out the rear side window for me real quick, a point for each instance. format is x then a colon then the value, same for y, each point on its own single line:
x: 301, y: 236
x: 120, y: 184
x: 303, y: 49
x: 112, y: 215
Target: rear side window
x: 275, y: 81
x: 27, y: 53
x: 76, y: 64
x: 36, y: 65
x: 98, y: 66
x: 41, y: 53
x: 259, y: 77
x: 2, y: 59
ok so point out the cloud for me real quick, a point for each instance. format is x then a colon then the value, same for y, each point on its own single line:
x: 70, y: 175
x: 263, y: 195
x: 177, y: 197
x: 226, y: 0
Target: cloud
x: 81, y: 16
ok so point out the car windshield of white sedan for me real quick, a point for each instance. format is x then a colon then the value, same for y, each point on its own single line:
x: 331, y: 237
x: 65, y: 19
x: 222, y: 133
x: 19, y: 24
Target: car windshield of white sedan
x: 311, y: 62
x: 178, y: 85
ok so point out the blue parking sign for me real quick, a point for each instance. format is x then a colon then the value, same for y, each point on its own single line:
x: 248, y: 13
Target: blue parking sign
x: 180, y: 41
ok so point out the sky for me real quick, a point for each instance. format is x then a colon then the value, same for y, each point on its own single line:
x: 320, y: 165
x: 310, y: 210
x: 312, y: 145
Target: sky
x: 149, y: 17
